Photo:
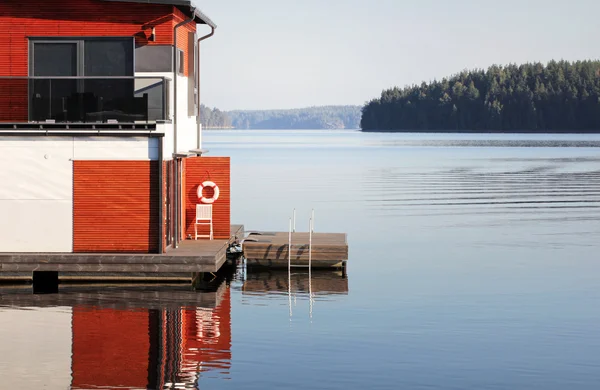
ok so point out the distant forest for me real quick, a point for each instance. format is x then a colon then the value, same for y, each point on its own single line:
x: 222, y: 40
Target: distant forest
x: 326, y: 117
x: 214, y: 118
x: 557, y: 97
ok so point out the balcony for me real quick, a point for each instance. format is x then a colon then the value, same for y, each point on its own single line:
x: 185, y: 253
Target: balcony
x: 83, y: 101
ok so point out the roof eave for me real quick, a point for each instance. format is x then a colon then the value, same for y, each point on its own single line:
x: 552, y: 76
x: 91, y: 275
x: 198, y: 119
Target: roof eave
x: 201, y: 18
x: 186, y: 6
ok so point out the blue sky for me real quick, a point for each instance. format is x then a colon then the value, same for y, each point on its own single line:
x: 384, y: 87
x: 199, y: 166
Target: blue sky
x: 298, y: 53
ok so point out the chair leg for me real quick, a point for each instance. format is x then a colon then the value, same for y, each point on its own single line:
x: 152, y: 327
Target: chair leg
x: 211, y: 230
x: 196, y: 232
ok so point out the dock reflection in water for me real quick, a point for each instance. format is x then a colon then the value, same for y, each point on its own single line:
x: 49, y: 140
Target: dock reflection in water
x: 320, y: 283
x: 275, y: 284
x: 132, y: 338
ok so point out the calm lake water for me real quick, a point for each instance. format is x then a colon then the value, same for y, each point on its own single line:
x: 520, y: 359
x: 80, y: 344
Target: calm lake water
x: 474, y: 264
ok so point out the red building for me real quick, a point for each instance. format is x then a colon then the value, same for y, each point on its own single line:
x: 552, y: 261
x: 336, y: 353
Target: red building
x: 100, y: 140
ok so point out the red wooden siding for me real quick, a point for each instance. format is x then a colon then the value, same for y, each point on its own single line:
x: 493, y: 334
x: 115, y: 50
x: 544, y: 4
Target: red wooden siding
x: 13, y: 99
x: 216, y: 169
x: 75, y: 18
x: 110, y: 348
x: 115, y: 206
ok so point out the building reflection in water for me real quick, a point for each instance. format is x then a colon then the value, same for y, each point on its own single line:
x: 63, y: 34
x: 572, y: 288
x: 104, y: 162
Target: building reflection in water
x: 141, y: 339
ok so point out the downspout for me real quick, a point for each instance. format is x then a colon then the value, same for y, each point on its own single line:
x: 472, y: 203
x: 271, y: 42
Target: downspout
x: 198, y: 121
x: 176, y: 178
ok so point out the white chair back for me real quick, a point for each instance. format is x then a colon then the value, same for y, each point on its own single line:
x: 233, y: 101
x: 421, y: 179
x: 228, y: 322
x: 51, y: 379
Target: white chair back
x: 203, y: 211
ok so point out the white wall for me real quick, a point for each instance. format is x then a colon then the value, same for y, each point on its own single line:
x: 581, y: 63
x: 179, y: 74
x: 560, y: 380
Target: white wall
x: 187, y: 129
x: 115, y: 148
x: 36, y: 348
x: 36, y: 185
x: 168, y: 139
x: 36, y: 194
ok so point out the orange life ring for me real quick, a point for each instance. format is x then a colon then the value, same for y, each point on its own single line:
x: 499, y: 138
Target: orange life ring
x: 215, y: 196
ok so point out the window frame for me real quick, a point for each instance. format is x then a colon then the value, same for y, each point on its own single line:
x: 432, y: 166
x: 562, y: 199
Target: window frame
x: 80, y: 41
x: 80, y: 56
x: 180, y: 62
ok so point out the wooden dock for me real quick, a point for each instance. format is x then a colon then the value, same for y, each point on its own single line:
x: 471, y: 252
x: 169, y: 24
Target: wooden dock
x: 270, y: 249
x: 190, y: 258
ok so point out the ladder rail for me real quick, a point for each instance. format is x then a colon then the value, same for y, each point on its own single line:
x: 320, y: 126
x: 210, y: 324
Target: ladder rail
x: 291, y: 230
x: 310, y: 231
x: 290, y: 266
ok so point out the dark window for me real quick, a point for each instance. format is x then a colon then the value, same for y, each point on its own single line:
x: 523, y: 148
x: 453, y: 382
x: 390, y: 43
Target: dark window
x: 108, y: 57
x: 83, y: 57
x: 55, y: 59
x: 180, y: 62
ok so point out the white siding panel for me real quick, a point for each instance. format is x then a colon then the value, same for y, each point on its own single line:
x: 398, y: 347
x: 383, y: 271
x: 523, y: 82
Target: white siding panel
x: 36, y: 225
x: 36, y: 194
x: 36, y: 168
x: 186, y: 134
x: 167, y: 130
x: 115, y: 148
x: 36, y: 348
x: 186, y: 125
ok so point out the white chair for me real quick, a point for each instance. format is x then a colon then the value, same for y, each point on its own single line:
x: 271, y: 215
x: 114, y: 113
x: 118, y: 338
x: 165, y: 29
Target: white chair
x: 203, y: 217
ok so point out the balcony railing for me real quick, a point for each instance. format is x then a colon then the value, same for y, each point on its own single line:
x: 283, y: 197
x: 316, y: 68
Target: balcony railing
x: 84, y: 99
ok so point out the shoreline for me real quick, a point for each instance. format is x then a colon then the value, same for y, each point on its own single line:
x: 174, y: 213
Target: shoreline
x: 485, y: 131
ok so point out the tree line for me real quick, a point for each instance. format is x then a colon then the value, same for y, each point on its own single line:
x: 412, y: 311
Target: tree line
x: 560, y: 96
x: 214, y: 118
x: 325, y: 117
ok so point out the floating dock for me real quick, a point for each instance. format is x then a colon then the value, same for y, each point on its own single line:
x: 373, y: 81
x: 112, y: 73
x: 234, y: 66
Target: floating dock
x: 272, y: 249
x: 184, y: 263
x: 191, y: 262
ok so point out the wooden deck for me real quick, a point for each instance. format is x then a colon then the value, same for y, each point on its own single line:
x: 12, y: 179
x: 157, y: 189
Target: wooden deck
x: 270, y: 249
x: 189, y: 258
